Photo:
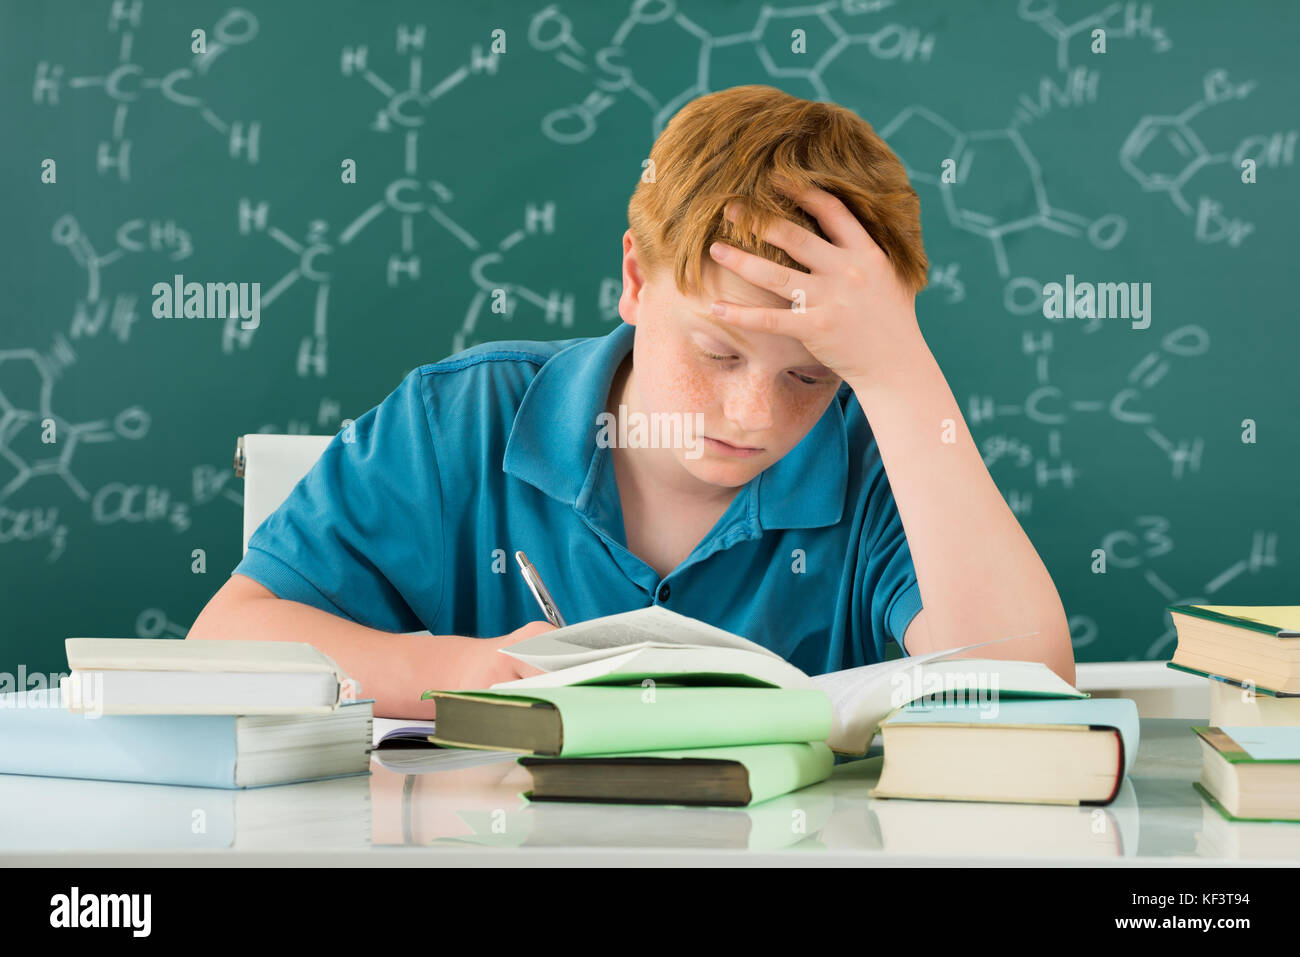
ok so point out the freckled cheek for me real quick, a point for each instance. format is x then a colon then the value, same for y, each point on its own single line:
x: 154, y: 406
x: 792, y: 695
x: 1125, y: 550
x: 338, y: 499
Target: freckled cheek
x: 804, y: 406
x: 799, y: 411
x: 690, y: 389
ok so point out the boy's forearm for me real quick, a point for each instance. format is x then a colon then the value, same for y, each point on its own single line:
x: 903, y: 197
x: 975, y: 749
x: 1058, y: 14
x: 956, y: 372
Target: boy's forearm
x: 979, y: 574
x: 391, y: 668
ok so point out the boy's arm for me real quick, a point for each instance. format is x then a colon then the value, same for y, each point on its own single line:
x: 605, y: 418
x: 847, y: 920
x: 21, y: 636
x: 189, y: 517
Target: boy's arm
x: 393, y: 669
x: 980, y: 576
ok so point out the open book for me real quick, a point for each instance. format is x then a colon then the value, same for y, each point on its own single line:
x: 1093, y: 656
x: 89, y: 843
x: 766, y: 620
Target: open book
x: 656, y: 644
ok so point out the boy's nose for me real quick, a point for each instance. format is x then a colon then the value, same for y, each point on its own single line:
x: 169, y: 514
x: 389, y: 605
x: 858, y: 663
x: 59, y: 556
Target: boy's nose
x: 749, y: 406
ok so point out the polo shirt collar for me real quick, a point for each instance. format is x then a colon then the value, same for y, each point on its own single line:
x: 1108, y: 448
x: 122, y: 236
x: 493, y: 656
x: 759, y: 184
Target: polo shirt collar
x: 552, y: 444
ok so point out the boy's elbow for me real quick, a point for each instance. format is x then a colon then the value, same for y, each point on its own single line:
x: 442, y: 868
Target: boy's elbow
x: 1061, y: 658
x: 1064, y: 665
x: 217, y: 617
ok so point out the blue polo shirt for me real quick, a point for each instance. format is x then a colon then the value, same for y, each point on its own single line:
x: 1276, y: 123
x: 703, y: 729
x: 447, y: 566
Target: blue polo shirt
x: 411, y: 521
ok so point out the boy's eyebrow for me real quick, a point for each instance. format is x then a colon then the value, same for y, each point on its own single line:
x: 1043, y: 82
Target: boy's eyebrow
x: 732, y: 334
x: 813, y: 369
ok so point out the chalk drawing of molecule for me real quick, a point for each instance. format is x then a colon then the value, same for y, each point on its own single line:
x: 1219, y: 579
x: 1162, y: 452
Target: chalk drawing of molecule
x: 409, y: 196
x: 1048, y: 405
x: 1147, y: 538
x: 764, y: 46
x: 126, y: 83
x: 28, y: 421
x: 999, y: 189
x: 1138, y: 21
x: 406, y: 109
x: 1163, y: 152
x: 1262, y: 555
x: 161, y: 236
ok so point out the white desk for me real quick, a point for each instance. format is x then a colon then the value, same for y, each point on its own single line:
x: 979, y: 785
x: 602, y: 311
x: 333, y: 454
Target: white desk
x: 474, y: 817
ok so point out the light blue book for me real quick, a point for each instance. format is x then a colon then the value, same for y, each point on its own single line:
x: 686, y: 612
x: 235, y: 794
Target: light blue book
x: 40, y: 737
x: 1058, y: 751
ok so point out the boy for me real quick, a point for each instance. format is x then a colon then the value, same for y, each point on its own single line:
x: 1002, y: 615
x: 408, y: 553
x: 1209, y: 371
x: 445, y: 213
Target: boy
x: 769, y: 513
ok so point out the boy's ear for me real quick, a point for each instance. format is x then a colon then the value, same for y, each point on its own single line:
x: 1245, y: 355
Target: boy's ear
x: 633, y: 281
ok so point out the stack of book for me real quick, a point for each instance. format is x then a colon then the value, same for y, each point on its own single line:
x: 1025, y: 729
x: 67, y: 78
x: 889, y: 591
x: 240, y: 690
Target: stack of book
x: 654, y: 707
x: 1250, y: 750
x: 223, y: 714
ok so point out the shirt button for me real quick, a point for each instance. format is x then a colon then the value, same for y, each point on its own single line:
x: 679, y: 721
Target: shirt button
x: 664, y: 592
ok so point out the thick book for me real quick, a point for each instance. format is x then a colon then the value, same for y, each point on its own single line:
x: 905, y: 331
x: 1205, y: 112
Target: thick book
x: 179, y: 676
x: 737, y: 776
x: 656, y: 644
x: 1033, y: 752
x: 604, y: 719
x: 1251, y: 773
x: 39, y: 736
x: 1259, y: 644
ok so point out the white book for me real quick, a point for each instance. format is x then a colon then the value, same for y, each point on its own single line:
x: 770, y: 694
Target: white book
x: 169, y: 676
x: 658, y: 644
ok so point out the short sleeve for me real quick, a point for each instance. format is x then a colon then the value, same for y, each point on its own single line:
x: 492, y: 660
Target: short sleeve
x: 360, y: 535
x: 893, y: 596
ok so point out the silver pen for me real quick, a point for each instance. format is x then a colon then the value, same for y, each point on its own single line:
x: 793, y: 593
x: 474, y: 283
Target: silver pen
x: 539, y: 591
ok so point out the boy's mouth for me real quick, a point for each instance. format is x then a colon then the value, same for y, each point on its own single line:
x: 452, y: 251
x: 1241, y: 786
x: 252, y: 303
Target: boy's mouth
x: 730, y: 449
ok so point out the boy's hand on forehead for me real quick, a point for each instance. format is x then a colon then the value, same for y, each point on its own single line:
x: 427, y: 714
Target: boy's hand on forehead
x: 852, y: 313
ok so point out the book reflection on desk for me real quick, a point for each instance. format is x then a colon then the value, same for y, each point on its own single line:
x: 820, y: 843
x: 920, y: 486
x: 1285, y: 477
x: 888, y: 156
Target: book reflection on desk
x: 789, y: 821
x: 50, y: 814
x: 1221, y: 837
x: 1010, y: 830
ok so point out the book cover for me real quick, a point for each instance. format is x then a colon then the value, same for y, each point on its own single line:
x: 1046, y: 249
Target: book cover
x: 773, y: 769
x: 1262, y: 744
x: 1271, y: 692
x: 605, y: 719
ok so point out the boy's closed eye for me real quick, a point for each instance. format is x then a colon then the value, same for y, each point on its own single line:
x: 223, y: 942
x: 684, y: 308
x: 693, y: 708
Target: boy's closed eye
x: 805, y: 379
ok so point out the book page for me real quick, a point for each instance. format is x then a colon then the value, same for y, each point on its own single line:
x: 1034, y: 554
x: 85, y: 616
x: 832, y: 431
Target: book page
x: 663, y: 663
x: 383, y: 727
x: 654, y: 626
x: 860, y: 697
x: 1281, y: 617
x: 612, y: 636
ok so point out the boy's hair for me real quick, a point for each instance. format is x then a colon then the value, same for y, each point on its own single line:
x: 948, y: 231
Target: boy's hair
x: 729, y: 145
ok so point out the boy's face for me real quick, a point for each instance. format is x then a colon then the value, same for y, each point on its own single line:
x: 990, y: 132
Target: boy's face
x: 765, y: 394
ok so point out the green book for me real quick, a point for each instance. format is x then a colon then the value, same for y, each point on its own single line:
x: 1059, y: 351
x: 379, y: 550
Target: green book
x: 1251, y: 773
x: 1259, y: 644
x: 609, y: 719
x: 737, y: 776
x: 1280, y: 621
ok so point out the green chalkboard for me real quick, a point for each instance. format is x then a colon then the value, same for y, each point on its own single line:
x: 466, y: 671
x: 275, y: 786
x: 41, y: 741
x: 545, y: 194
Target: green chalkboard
x: 1169, y: 443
